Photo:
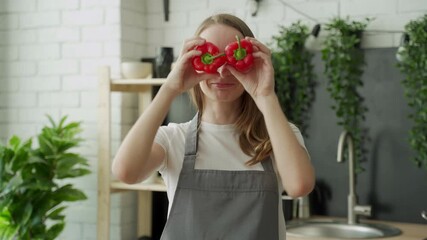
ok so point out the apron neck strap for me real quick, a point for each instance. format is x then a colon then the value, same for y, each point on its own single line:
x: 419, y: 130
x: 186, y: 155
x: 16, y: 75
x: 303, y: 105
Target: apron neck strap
x: 267, y: 164
x: 191, y: 137
x: 191, y: 140
x: 191, y: 145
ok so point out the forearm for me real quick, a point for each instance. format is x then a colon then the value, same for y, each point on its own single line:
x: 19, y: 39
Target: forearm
x: 292, y: 160
x: 131, y: 160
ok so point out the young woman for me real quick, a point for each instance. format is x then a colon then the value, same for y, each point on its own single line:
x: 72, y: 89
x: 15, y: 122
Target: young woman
x: 226, y: 169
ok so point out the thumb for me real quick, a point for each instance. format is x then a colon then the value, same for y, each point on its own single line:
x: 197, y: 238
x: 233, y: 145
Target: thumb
x: 235, y: 73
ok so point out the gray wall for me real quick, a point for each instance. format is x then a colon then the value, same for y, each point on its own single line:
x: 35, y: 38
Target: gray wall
x: 392, y: 184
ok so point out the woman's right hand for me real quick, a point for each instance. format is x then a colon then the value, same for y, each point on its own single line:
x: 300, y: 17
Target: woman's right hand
x: 183, y: 76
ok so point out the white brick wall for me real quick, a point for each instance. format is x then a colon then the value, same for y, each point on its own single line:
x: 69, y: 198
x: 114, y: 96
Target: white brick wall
x: 59, y: 34
x: 39, y: 51
x: 82, y: 50
x: 49, y: 54
x: 11, y: 6
x: 8, y: 21
x: 50, y: 51
x: 40, y: 19
x: 83, y: 17
x: 58, y: 5
x: 389, y: 15
x: 39, y: 84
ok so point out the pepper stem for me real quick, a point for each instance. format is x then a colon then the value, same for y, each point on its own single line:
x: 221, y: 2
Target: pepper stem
x: 208, y: 59
x: 240, y: 52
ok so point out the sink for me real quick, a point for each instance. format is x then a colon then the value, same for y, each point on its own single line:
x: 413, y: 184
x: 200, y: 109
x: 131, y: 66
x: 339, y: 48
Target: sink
x: 341, y: 230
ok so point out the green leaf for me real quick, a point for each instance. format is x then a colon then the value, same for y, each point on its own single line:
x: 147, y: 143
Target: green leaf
x: 11, y: 186
x: 78, y: 172
x: 344, y: 68
x: 23, y: 212
x: 414, y: 68
x: 8, y: 233
x: 293, y: 73
x: 7, y: 229
x: 56, y: 214
x: 55, y: 230
x: 15, y: 142
x: 52, y: 122
x: 5, y: 217
x: 46, y: 146
x: 68, y: 193
x: 30, y: 191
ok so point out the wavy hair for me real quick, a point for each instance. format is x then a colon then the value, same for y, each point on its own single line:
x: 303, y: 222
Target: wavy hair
x: 253, y: 136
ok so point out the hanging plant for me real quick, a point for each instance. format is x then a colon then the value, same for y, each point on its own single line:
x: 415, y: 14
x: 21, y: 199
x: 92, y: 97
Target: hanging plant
x: 344, y: 62
x: 414, y: 65
x: 293, y: 72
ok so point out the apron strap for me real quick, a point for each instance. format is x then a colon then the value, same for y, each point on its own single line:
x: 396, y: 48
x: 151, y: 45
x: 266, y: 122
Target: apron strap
x: 267, y: 164
x: 191, y: 138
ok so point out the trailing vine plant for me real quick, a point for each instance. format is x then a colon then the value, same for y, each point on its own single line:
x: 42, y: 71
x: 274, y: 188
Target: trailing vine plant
x: 414, y: 65
x: 293, y: 73
x: 344, y: 61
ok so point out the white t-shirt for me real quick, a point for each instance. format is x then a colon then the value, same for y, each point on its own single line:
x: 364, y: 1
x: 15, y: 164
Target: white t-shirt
x: 218, y: 148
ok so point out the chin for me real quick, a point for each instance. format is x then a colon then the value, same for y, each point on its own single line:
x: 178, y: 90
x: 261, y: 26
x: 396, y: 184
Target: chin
x: 228, y: 98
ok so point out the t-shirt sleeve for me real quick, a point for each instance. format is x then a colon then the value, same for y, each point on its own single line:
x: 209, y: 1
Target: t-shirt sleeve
x: 168, y: 137
x: 298, y: 135
x: 162, y: 139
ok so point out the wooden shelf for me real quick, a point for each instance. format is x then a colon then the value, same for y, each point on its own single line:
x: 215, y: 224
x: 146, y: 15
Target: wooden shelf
x: 157, y: 186
x: 106, y: 184
x: 135, y: 85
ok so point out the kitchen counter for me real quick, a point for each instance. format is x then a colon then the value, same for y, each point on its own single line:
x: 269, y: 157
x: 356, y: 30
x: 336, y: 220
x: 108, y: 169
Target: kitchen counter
x: 410, y: 231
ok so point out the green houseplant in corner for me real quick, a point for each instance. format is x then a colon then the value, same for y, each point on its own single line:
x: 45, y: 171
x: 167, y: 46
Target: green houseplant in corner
x: 293, y: 73
x: 414, y: 65
x: 31, y: 182
x: 344, y: 61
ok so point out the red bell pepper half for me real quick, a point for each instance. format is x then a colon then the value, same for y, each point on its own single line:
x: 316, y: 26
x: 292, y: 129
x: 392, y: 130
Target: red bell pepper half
x: 239, y: 54
x: 210, y: 60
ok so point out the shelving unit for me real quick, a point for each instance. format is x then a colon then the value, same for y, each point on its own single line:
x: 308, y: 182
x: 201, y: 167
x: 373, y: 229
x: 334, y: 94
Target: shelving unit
x: 106, y: 186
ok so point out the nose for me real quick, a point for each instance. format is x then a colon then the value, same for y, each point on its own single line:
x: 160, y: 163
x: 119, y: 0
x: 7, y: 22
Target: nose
x: 223, y: 71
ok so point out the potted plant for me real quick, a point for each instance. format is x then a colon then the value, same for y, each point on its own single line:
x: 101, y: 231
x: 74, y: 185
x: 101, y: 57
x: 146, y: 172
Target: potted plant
x: 293, y: 73
x: 32, y: 192
x: 344, y: 61
x: 413, y: 65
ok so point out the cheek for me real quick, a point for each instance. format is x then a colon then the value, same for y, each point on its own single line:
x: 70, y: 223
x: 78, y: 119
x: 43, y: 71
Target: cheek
x: 203, y: 87
x: 241, y: 89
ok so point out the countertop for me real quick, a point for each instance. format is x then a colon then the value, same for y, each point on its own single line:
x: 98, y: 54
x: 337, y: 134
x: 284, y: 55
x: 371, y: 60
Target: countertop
x: 410, y: 231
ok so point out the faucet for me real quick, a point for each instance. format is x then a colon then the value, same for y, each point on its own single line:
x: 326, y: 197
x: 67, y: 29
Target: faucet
x: 353, y: 208
x: 301, y: 208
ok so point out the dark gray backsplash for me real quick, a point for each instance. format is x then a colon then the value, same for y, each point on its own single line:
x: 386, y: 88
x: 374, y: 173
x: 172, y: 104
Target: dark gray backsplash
x: 391, y: 183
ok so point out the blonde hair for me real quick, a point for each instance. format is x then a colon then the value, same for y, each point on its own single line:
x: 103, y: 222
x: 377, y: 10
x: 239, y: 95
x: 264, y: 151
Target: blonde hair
x: 253, y: 136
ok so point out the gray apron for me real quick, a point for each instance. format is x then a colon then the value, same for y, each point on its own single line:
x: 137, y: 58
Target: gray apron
x: 226, y: 205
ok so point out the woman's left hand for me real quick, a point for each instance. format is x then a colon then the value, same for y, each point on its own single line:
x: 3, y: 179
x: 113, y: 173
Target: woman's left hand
x: 259, y: 80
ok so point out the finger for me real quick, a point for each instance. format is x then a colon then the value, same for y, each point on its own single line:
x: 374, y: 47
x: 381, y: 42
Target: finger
x: 238, y: 75
x: 186, y: 58
x: 191, y: 43
x: 259, y: 45
x: 190, y: 54
x: 263, y: 56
